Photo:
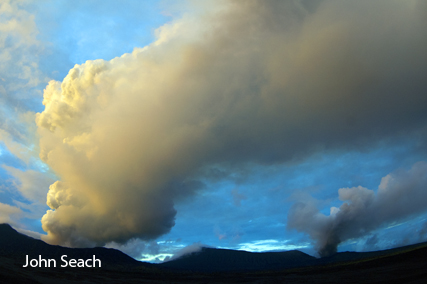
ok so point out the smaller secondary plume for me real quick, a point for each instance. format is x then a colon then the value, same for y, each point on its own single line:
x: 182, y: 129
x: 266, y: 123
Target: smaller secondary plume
x: 399, y: 195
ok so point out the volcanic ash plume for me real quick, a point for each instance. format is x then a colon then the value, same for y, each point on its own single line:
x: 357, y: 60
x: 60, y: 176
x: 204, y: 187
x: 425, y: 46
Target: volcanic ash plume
x: 249, y: 83
x: 400, y: 195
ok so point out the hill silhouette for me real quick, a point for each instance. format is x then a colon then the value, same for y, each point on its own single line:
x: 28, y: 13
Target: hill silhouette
x: 400, y: 265
x: 216, y: 260
x: 223, y: 260
x: 16, y: 246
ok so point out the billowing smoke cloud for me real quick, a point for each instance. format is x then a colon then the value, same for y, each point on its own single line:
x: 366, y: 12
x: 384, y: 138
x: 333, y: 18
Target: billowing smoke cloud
x: 400, y: 195
x: 259, y: 82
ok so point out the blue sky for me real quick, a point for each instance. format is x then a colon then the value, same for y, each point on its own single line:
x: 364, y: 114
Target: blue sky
x: 264, y: 126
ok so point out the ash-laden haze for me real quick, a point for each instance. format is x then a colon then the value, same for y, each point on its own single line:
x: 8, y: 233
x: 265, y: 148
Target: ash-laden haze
x: 247, y: 83
x: 401, y: 194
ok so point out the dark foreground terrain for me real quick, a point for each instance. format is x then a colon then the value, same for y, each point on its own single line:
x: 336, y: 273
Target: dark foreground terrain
x: 402, y: 265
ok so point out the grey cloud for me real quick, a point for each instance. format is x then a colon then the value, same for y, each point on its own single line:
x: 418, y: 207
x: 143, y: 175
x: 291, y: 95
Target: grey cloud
x: 371, y: 242
x: 401, y: 194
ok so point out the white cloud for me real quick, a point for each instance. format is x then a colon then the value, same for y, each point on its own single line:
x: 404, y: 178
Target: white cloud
x: 9, y: 214
x: 32, y: 185
x: 193, y: 248
x: 269, y: 245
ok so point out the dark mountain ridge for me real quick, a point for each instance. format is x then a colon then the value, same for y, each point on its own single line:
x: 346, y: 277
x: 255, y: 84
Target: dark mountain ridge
x: 402, y: 265
x: 215, y: 260
x: 223, y: 260
x: 17, y: 246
